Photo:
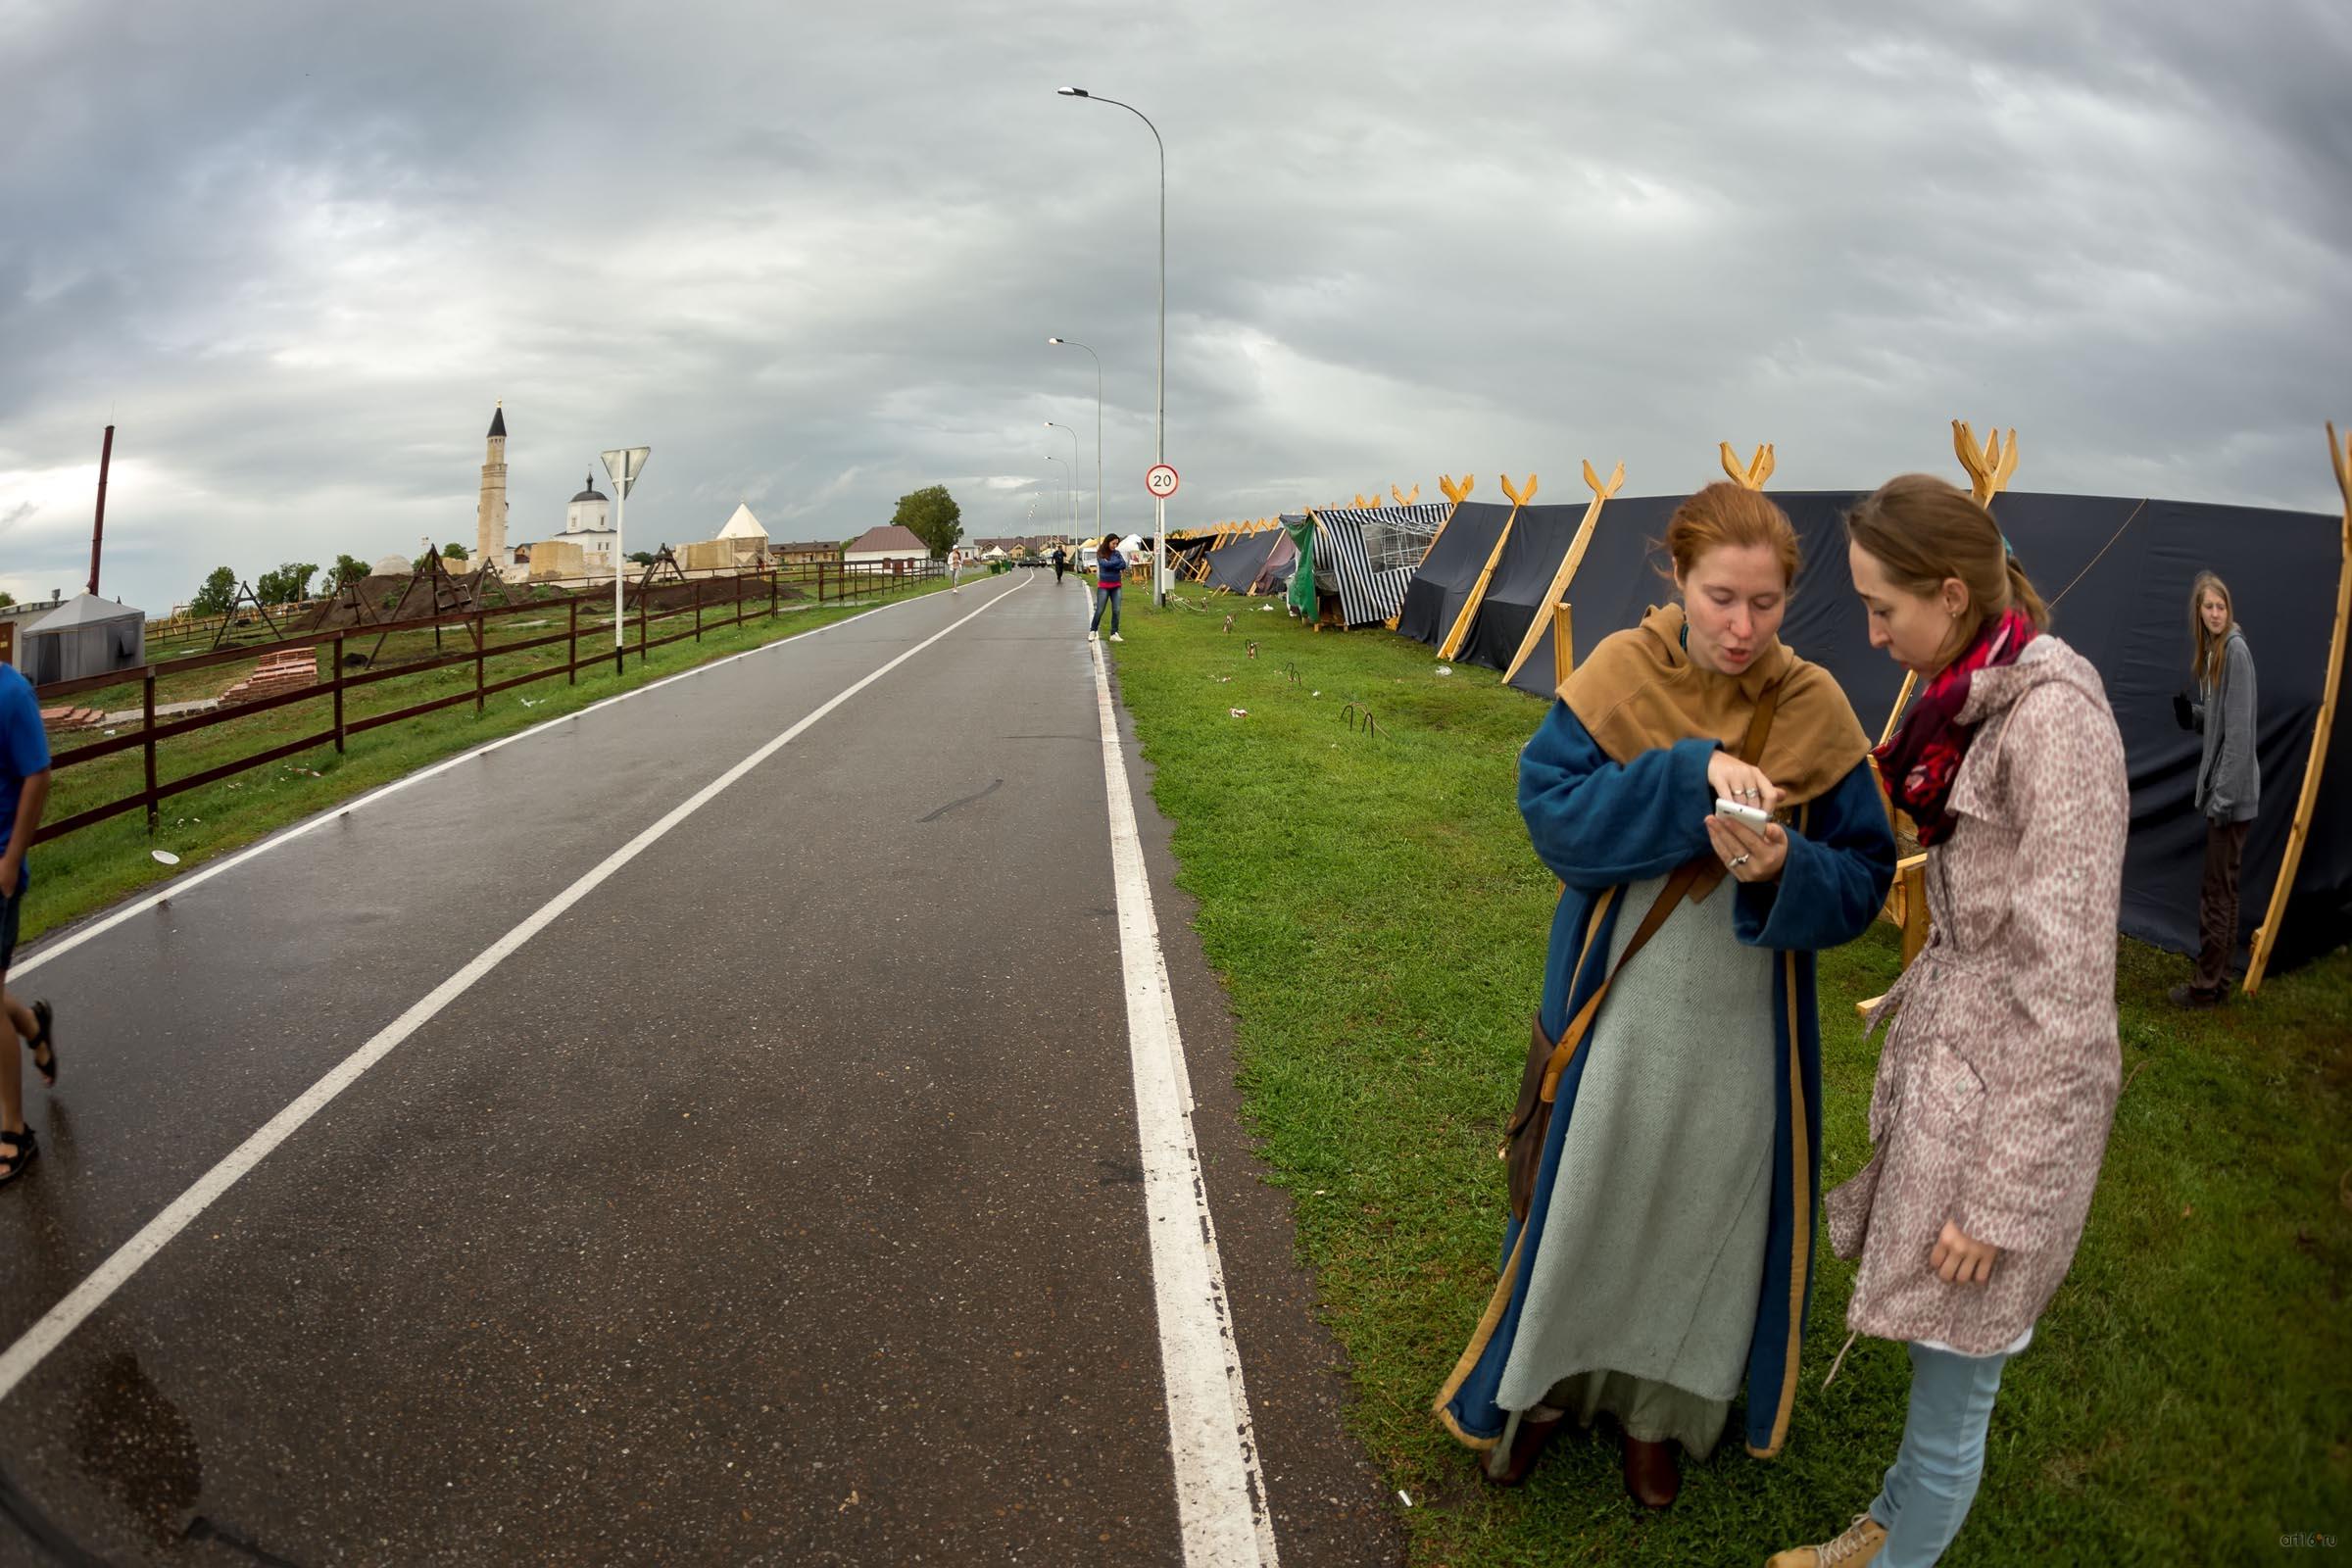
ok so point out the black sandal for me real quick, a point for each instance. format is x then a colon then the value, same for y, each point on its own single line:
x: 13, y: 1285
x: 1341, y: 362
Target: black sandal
x: 17, y: 1149
x: 41, y: 1042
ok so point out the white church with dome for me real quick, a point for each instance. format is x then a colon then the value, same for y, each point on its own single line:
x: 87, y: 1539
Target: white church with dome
x: 588, y: 524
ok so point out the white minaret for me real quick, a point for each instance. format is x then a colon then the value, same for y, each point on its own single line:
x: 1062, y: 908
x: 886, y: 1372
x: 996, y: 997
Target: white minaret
x: 490, y: 516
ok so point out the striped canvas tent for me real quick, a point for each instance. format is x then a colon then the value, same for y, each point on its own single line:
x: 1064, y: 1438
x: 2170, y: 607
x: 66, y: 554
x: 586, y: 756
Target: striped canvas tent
x: 1368, y: 554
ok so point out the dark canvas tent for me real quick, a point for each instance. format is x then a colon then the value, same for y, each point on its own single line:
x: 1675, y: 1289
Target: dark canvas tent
x: 1235, y: 565
x: 1282, y: 561
x: 1531, y: 561
x: 84, y: 636
x: 2117, y: 571
x: 1368, y: 555
x: 1613, y: 585
x: 1434, y: 599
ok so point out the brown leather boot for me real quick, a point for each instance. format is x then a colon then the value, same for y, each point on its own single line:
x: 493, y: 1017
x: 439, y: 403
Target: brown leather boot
x: 1651, y: 1473
x: 1527, y: 1446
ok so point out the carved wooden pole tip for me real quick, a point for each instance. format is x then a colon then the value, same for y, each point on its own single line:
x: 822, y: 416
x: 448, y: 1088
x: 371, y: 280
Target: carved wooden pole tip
x: 1593, y: 480
x: 2339, y: 453
x: 1751, y: 475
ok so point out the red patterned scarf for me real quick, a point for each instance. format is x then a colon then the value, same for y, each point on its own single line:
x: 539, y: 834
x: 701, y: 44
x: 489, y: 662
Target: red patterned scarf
x: 1917, y: 765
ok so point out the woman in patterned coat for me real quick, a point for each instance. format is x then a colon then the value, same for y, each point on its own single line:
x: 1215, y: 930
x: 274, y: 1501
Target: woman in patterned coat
x: 1997, y: 1082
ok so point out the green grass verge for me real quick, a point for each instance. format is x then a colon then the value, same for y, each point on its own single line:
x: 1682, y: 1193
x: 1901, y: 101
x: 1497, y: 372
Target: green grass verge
x: 1373, y: 907
x: 94, y: 867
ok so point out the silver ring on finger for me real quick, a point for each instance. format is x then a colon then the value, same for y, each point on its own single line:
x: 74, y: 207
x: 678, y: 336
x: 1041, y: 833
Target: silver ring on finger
x: 1737, y: 860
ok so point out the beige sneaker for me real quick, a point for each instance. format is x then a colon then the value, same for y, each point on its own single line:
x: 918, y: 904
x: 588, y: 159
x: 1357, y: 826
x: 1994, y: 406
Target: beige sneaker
x: 1859, y: 1546
x: 1117, y: 638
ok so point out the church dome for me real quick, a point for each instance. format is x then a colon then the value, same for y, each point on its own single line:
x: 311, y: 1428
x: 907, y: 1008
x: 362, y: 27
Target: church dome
x: 589, y: 494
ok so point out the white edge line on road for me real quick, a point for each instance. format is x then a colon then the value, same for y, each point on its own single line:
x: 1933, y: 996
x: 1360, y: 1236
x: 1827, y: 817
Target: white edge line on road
x: 1220, y: 1485
x: 127, y: 1260
x: 181, y: 887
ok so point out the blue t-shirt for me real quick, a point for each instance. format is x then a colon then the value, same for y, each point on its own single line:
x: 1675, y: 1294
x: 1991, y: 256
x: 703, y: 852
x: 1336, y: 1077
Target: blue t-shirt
x: 24, y: 747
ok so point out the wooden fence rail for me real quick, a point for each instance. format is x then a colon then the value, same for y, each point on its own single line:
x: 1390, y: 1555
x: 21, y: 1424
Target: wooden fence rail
x: 750, y: 592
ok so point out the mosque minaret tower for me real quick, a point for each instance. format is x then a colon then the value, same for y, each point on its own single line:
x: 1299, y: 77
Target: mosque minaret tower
x: 490, y: 516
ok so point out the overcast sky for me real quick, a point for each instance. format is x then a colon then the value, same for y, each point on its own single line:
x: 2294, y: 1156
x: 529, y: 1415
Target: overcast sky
x: 810, y: 255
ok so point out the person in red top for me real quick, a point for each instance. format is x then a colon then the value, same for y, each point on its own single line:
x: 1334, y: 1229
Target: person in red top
x: 1110, y: 572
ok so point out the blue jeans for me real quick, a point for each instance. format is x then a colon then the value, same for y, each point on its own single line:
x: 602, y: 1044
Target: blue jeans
x: 1106, y: 596
x: 1924, y: 1498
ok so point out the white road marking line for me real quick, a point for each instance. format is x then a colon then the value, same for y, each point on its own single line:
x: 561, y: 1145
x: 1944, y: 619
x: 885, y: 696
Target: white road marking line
x: 86, y: 1297
x: 181, y: 887
x: 1220, y: 1488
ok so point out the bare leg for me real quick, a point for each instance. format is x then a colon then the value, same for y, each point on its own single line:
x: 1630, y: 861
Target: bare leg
x: 12, y: 1065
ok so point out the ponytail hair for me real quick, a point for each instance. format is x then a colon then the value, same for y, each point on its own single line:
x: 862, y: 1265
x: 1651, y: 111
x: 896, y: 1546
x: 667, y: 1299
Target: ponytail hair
x: 1923, y: 530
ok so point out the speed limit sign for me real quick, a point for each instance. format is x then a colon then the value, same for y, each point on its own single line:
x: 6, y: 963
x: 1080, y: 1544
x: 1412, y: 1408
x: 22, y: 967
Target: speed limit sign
x: 1161, y: 481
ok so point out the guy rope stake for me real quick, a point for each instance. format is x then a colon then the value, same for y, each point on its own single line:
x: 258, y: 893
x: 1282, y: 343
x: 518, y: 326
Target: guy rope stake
x: 2266, y: 935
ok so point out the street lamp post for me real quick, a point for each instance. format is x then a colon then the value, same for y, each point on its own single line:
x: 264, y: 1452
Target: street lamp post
x: 1159, y: 452
x: 1072, y: 342
x: 1073, y: 435
x: 1051, y: 458
x: 623, y: 465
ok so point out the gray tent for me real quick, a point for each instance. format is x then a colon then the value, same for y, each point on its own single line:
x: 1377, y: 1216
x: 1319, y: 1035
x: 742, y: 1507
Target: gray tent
x: 86, y: 635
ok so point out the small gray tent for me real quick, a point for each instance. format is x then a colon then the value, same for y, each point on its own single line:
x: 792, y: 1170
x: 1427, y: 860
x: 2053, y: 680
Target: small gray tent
x: 84, y: 636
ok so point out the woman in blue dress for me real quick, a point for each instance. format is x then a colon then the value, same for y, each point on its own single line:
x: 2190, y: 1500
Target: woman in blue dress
x: 1660, y: 1254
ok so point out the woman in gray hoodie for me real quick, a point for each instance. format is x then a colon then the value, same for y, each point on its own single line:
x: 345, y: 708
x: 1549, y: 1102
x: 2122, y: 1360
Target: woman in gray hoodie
x: 2228, y: 778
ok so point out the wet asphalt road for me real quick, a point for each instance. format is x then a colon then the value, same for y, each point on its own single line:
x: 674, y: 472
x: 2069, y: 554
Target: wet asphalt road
x: 778, y: 1202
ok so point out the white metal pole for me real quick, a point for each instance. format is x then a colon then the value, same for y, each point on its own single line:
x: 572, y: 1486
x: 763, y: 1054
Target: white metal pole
x: 620, y: 558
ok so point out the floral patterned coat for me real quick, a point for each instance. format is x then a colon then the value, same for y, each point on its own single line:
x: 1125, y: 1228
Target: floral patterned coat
x: 1997, y: 1082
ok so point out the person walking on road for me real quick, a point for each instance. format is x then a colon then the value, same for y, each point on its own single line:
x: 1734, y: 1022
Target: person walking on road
x: 1062, y: 563
x: 1664, y: 1150
x: 24, y: 793
x: 2229, y: 779
x: 955, y: 569
x: 1110, y: 572
x: 1997, y: 1082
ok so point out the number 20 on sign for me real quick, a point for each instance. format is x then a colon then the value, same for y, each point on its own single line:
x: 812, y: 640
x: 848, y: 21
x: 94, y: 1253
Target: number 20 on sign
x: 1161, y: 481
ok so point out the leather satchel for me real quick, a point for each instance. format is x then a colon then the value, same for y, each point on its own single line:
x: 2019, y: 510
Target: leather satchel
x: 1547, y: 1059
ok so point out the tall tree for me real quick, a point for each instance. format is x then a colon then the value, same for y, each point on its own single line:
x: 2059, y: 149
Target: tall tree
x: 348, y: 570
x: 932, y: 515
x: 220, y: 591
x: 453, y: 551
x: 291, y: 581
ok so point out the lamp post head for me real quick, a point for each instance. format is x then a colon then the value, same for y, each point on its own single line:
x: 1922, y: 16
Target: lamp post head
x: 1053, y: 340
x: 1072, y: 93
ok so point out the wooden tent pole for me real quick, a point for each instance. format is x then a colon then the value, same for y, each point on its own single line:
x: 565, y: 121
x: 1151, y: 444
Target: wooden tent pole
x: 1563, y: 645
x: 2266, y: 937
x: 1460, y: 634
x: 1575, y: 557
x: 1455, y: 495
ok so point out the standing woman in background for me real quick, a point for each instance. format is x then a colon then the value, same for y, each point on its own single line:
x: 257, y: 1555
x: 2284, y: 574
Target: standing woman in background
x: 2229, y: 779
x: 1996, y: 1086
x: 1110, y: 574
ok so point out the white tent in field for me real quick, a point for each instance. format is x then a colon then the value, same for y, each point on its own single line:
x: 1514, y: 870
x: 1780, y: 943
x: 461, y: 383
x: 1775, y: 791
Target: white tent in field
x: 743, y: 525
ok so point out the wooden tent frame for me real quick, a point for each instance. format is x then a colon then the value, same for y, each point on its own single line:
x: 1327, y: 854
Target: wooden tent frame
x: 2266, y: 935
x: 1562, y: 579
x: 1455, y: 495
x: 1460, y: 633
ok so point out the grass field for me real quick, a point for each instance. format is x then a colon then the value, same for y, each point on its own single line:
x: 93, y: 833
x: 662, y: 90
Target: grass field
x: 1379, y: 921
x: 93, y: 868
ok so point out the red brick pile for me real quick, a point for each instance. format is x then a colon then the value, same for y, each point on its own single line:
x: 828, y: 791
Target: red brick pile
x: 285, y: 671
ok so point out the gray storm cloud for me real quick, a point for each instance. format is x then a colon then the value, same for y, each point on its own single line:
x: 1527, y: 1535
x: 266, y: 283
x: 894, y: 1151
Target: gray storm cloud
x: 813, y: 256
